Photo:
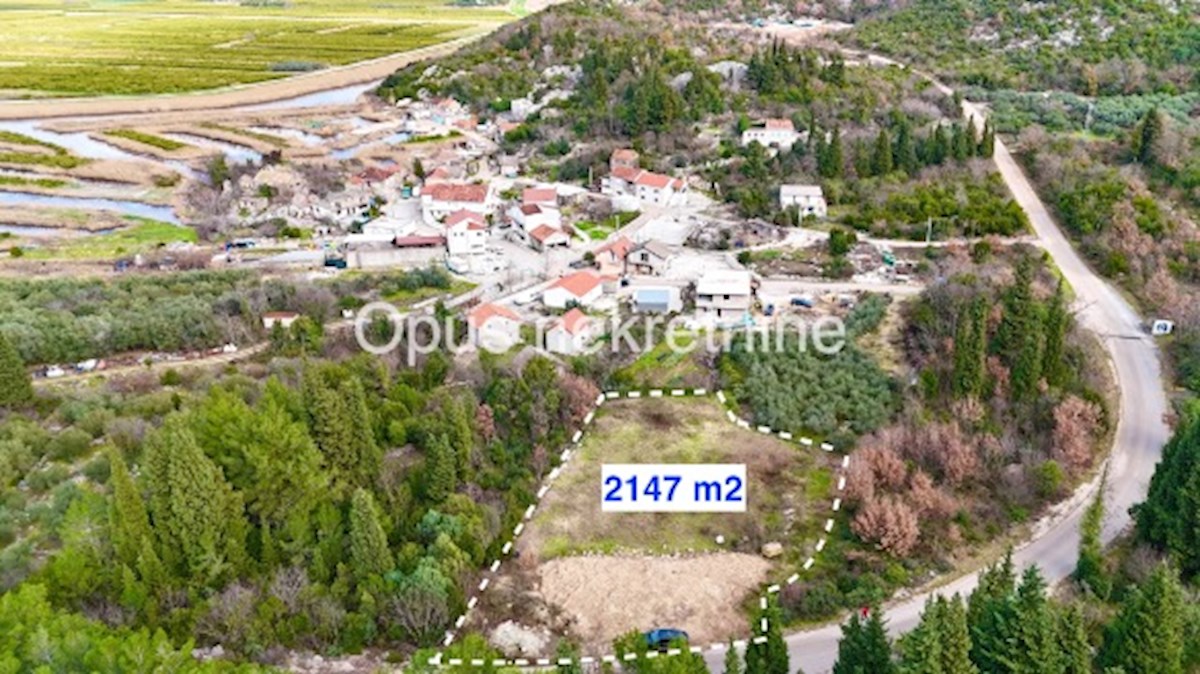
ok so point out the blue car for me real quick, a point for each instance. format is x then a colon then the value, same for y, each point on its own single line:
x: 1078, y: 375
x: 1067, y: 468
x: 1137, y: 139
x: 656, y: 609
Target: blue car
x: 661, y: 638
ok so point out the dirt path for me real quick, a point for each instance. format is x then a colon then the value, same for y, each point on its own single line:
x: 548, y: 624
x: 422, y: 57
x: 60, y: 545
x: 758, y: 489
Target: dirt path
x: 238, y: 96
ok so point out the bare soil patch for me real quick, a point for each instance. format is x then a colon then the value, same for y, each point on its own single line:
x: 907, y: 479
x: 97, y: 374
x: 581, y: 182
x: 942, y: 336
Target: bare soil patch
x: 604, y: 597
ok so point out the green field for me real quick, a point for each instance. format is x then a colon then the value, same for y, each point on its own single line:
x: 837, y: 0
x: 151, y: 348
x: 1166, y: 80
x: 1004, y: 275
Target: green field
x: 141, y: 236
x: 101, y: 47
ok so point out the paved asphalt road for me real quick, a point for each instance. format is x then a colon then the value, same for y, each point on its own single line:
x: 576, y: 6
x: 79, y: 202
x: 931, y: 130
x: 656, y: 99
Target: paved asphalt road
x: 1141, y: 431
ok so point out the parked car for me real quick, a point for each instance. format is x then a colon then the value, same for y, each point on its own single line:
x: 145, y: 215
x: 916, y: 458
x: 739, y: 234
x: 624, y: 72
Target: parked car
x: 770, y: 310
x: 805, y: 302
x: 663, y: 637
x: 53, y: 372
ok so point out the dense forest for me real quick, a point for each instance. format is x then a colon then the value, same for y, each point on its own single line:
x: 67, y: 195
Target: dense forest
x: 320, y: 506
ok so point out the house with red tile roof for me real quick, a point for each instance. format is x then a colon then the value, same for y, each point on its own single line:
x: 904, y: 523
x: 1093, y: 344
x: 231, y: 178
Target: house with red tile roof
x: 610, y: 258
x: 441, y: 199
x: 546, y: 197
x: 570, y: 334
x: 466, y: 233
x: 630, y: 181
x: 582, y: 288
x: 494, y: 326
x: 529, y: 217
x: 545, y: 236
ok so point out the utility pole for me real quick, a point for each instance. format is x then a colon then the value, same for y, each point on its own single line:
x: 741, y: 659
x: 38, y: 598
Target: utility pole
x: 928, y: 231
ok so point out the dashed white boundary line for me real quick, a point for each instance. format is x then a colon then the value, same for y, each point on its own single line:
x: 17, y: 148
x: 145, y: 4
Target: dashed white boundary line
x: 439, y: 661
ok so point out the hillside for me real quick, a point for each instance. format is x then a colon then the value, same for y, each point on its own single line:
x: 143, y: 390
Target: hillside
x: 1092, y: 47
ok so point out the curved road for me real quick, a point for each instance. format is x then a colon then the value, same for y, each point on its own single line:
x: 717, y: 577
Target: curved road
x: 1140, y: 435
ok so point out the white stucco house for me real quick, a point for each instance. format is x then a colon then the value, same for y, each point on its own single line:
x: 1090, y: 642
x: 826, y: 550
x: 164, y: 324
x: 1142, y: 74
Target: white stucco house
x: 570, y: 334
x: 531, y: 216
x: 780, y: 133
x: 494, y: 327
x: 466, y: 233
x: 439, y: 200
x: 810, y: 199
x: 724, y: 294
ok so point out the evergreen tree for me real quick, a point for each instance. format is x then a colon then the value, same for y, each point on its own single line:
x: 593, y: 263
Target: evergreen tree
x: 1058, y: 321
x: 198, y: 519
x: 1073, y: 638
x: 1020, y: 334
x: 1147, y: 635
x: 939, y: 146
x: 960, y: 147
x: 1089, y: 570
x: 129, y: 522
x: 733, y: 662
x: 341, y: 425
x: 905, y: 153
x: 861, y: 157
x: 972, y: 137
x: 1034, y: 648
x: 16, y: 388
x: 864, y: 647
x: 440, y: 478
x: 1146, y: 135
x: 770, y: 657
x: 831, y: 161
x: 881, y: 155
x: 987, y: 144
x: 921, y: 649
x: 955, y: 637
x: 369, y: 553
x: 970, y: 350
x: 1168, y: 516
x: 991, y: 616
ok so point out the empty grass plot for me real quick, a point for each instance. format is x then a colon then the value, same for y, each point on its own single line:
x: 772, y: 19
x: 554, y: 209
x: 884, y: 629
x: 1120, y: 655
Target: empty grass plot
x: 591, y: 576
x: 785, y: 484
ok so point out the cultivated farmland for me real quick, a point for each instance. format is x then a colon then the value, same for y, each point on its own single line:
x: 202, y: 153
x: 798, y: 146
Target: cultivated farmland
x: 169, y: 46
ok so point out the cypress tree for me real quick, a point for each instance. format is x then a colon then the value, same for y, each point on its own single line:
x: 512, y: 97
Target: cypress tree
x: 1089, y: 570
x: 970, y: 350
x: 1058, y: 321
x: 16, y: 388
x: 987, y: 144
x: 831, y: 160
x: 1168, y: 516
x: 770, y: 657
x: 921, y: 649
x: 1146, y: 135
x: 1072, y: 635
x: 864, y: 647
x: 881, y: 155
x: 905, y: 154
x: 991, y: 615
x: 1148, y: 633
x: 733, y: 662
x: 1020, y: 335
x: 1034, y: 650
x: 440, y: 478
x: 939, y: 145
x: 972, y: 137
x: 960, y: 147
x: 369, y: 553
x: 197, y: 518
x: 130, y: 524
x: 956, y: 637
